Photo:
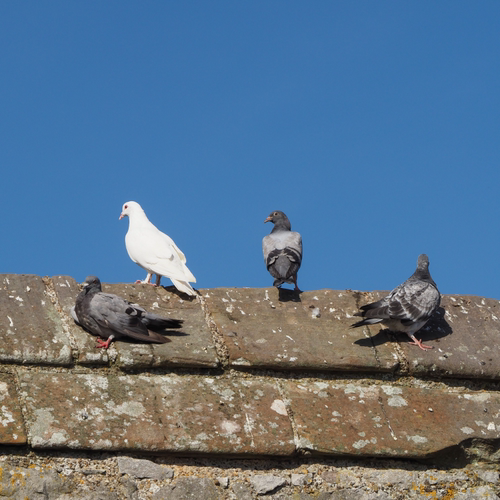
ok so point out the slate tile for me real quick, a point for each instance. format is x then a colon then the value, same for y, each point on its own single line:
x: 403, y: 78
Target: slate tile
x: 387, y: 420
x: 11, y: 419
x: 268, y: 328
x: 187, y: 414
x: 31, y: 329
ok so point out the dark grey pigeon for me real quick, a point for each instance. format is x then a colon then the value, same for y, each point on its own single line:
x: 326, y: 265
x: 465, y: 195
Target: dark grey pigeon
x: 408, y: 307
x: 108, y: 316
x: 282, y: 250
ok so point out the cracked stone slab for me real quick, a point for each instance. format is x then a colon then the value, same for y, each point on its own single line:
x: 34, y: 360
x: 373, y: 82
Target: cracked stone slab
x: 185, y: 414
x: 11, y: 418
x: 274, y: 329
x: 31, y: 329
x: 191, y: 346
x: 390, y: 421
x: 464, y: 332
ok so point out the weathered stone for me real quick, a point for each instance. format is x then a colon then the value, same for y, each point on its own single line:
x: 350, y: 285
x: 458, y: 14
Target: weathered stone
x: 31, y: 329
x: 242, y: 491
x: 143, y: 469
x: 11, y: 419
x: 155, y: 413
x: 402, y: 478
x: 481, y: 492
x: 468, y: 344
x: 489, y: 476
x: 96, y: 493
x: 387, y: 420
x: 190, y: 346
x: 20, y: 483
x: 185, y: 488
x: 266, y: 483
x: 66, y: 290
x: 463, y: 332
x: 306, y: 496
x: 299, y: 479
x: 358, y: 494
x: 275, y: 329
x: 224, y: 482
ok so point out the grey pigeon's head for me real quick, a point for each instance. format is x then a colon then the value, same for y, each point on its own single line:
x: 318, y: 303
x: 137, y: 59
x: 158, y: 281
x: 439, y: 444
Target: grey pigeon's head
x: 279, y: 219
x: 92, y: 282
x: 423, y: 262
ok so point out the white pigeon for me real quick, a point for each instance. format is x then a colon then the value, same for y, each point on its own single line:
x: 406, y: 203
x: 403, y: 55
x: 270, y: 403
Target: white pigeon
x: 408, y: 307
x: 154, y: 251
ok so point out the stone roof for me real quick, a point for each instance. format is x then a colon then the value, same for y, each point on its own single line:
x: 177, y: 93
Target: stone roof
x: 253, y: 373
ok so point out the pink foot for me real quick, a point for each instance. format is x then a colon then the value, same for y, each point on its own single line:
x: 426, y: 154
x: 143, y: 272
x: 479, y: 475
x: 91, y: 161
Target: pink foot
x: 419, y: 343
x: 104, y: 344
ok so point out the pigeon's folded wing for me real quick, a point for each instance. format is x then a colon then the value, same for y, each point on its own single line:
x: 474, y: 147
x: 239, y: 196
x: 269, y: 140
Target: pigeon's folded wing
x: 413, y: 301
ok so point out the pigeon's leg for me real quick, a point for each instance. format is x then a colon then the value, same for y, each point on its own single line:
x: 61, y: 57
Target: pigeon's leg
x: 104, y: 344
x: 419, y: 343
x: 297, y: 289
x: 147, y: 281
x: 158, y: 279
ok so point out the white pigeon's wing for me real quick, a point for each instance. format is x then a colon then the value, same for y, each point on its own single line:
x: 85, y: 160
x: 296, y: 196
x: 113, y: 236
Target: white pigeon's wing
x: 153, y: 250
x: 187, y: 273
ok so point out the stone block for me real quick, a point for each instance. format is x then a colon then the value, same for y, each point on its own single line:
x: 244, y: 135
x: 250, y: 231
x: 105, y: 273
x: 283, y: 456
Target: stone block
x: 280, y: 330
x: 187, y: 414
x: 389, y: 420
x: 463, y: 331
x: 470, y: 348
x: 31, y: 329
x: 191, y: 346
x: 11, y: 419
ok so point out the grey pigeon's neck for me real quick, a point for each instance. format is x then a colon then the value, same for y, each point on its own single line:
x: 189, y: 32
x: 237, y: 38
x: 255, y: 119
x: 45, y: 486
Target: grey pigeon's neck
x: 282, y: 225
x: 93, y: 289
x: 423, y: 274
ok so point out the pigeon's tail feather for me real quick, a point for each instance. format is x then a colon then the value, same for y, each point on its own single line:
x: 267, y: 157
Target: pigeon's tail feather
x: 156, y: 323
x: 151, y: 336
x: 366, y: 321
x: 183, y: 286
x: 282, y: 266
x: 278, y: 282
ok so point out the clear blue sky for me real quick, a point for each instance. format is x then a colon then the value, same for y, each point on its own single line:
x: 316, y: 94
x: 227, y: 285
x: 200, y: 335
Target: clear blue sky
x: 373, y: 125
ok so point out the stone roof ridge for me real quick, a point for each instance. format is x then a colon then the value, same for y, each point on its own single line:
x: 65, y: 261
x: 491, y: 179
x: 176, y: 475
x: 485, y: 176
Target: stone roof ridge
x: 253, y: 372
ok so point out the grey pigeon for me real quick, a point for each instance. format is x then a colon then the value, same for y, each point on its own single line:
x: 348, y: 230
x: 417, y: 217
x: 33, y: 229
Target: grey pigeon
x: 109, y: 316
x: 282, y: 250
x: 408, y: 307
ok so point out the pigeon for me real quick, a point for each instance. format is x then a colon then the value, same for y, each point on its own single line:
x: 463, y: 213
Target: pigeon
x: 408, y: 307
x: 282, y: 250
x: 109, y: 316
x: 154, y: 251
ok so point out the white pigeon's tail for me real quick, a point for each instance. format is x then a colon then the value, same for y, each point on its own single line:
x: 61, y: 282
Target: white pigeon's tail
x: 183, y: 286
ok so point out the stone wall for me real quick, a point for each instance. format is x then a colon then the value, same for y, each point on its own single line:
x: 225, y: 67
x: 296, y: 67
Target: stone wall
x: 263, y: 392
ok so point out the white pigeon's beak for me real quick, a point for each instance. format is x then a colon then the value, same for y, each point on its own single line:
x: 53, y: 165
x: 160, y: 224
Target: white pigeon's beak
x: 122, y: 215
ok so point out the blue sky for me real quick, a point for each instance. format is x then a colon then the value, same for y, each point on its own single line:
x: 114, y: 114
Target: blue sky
x: 373, y: 125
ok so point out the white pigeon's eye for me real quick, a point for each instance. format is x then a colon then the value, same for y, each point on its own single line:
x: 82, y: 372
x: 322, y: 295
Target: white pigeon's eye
x: 125, y: 207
